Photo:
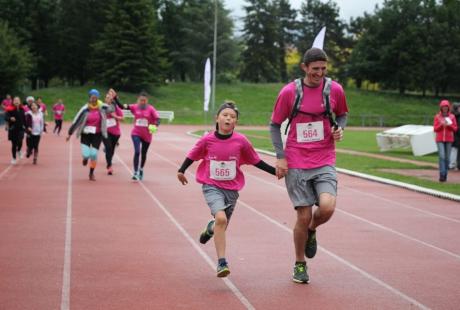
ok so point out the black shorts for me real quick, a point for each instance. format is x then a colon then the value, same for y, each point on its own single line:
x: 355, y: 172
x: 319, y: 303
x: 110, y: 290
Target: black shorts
x: 91, y: 140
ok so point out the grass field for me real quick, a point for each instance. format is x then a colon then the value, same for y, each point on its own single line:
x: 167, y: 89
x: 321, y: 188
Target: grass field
x: 256, y: 101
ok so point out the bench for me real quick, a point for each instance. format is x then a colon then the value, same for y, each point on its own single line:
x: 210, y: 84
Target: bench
x: 169, y: 115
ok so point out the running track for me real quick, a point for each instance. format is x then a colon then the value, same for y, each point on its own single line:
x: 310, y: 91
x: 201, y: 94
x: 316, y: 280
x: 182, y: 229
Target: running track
x: 68, y: 243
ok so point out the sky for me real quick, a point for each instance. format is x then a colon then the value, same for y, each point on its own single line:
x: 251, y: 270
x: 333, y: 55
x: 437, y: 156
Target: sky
x: 348, y: 8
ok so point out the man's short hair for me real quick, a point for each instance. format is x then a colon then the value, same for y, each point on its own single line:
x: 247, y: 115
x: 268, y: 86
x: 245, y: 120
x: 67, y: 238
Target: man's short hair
x: 314, y: 54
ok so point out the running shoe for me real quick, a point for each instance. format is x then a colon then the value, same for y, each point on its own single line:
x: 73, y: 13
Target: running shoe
x: 141, y: 174
x: 35, y: 161
x: 85, y: 161
x: 13, y: 161
x: 311, y: 244
x: 109, y: 171
x: 300, y: 274
x: 222, y: 270
x: 28, y: 153
x: 92, y: 177
x: 20, y: 154
x: 208, y: 232
x: 135, y: 176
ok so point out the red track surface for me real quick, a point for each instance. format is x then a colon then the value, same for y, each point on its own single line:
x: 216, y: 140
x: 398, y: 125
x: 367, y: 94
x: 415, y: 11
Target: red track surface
x: 133, y: 245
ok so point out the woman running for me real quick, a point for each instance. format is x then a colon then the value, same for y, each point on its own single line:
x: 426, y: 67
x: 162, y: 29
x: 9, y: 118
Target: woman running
x: 58, y: 111
x: 146, y: 120
x: 222, y: 152
x: 114, y: 115
x: 16, y: 125
x: 35, y: 124
x: 90, y: 124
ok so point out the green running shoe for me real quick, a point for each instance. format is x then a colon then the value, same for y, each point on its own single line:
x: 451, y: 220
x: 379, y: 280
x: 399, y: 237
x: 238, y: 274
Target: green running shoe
x: 222, y: 270
x: 207, y: 233
x: 311, y: 244
x: 300, y: 274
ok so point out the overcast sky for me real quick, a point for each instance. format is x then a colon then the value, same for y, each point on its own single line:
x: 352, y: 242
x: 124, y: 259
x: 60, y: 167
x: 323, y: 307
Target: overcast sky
x: 348, y: 8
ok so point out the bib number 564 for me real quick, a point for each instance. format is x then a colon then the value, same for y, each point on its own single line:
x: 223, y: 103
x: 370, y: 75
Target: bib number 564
x: 310, y: 133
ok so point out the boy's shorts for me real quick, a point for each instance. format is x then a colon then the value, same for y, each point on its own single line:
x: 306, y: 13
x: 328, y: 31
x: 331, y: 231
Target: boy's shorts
x: 219, y: 199
x: 304, y: 186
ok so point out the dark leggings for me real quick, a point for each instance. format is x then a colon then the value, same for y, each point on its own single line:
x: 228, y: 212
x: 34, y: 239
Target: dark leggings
x: 57, y: 126
x: 110, y: 144
x: 34, y: 142
x: 140, y: 148
x: 16, y: 143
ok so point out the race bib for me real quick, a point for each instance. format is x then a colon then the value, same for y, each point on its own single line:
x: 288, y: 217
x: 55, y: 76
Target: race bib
x: 142, y: 122
x: 310, y: 132
x: 111, y: 122
x: 58, y: 112
x: 223, y: 170
x: 89, y: 129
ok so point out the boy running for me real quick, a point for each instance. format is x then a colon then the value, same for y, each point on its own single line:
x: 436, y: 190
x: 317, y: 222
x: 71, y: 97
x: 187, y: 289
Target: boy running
x: 222, y: 152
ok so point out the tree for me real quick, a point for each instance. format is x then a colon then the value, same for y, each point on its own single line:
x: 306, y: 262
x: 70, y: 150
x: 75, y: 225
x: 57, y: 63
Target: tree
x: 34, y: 21
x: 15, y: 61
x: 285, y: 35
x: 79, y: 23
x: 260, y: 57
x: 129, y: 53
x: 316, y: 14
x: 188, y: 29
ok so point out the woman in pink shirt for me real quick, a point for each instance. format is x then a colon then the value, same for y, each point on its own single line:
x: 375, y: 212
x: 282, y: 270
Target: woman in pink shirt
x: 222, y: 152
x: 146, y: 120
x: 90, y: 124
x: 58, y: 111
x: 114, y: 115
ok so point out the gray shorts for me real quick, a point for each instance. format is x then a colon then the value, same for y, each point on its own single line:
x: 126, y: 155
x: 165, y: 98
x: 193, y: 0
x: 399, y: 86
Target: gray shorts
x: 219, y: 199
x: 305, y: 185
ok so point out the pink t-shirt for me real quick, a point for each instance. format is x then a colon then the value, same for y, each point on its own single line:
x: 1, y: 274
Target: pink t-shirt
x: 315, y: 145
x: 6, y: 103
x: 93, y: 120
x: 221, y: 160
x: 43, y: 107
x: 142, y: 119
x: 113, y: 125
x: 26, y: 108
x: 58, y: 110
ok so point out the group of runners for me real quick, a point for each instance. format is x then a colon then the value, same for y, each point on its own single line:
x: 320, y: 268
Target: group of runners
x: 306, y: 162
x: 28, y: 119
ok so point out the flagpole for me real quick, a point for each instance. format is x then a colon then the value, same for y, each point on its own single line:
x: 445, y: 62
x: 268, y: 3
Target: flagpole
x: 214, y: 60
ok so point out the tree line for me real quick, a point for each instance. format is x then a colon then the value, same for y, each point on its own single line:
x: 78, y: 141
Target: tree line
x: 408, y: 45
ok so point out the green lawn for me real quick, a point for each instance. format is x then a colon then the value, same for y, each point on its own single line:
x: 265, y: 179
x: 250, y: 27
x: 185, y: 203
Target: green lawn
x: 255, y: 102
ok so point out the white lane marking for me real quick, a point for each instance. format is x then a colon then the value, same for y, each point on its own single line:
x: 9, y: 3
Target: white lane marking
x: 203, y: 254
x: 382, y: 227
x: 65, y: 293
x: 333, y: 255
x: 5, y: 171
x: 402, y: 204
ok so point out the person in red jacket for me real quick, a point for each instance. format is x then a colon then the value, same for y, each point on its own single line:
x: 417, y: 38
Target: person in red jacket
x: 445, y: 125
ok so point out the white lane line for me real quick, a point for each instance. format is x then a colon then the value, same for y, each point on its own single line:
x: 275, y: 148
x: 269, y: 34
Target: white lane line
x: 5, y: 171
x: 203, y: 254
x: 333, y: 255
x: 400, y: 204
x: 382, y: 227
x: 65, y: 293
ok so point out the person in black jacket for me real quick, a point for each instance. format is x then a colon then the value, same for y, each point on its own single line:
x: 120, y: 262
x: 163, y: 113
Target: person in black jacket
x: 455, y: 158
x: 15, y: 118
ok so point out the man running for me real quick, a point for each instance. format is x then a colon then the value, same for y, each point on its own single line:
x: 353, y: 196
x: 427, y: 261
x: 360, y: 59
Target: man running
x: 308, y: 161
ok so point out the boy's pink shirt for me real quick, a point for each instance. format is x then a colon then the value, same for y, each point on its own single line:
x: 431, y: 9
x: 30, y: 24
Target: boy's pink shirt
x: 313, y: 154
x: 237, y: 148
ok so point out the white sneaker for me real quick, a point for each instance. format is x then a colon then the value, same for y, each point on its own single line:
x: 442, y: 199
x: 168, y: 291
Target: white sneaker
x: 13, y: 161
x: 20, y: 154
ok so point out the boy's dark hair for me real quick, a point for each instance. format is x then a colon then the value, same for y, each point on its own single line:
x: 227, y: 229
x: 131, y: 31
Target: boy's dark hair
x: 228, y: 104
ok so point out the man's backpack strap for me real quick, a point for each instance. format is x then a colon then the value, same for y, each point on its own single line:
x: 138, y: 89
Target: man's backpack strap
x: 297, y: 102
x: 326, y: 99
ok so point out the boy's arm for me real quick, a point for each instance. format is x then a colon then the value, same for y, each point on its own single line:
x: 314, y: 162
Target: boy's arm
x: 266, y: 167
x: 180, y: 173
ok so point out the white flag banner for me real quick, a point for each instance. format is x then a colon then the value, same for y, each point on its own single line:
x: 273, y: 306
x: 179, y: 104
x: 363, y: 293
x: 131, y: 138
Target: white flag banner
x: 319, y: 40
x: 207, y: 84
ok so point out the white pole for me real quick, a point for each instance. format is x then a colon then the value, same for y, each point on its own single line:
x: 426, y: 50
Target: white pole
x: 214, y: 60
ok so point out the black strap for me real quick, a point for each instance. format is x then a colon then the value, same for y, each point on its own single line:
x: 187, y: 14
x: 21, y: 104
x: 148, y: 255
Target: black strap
x: 329, y: 114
